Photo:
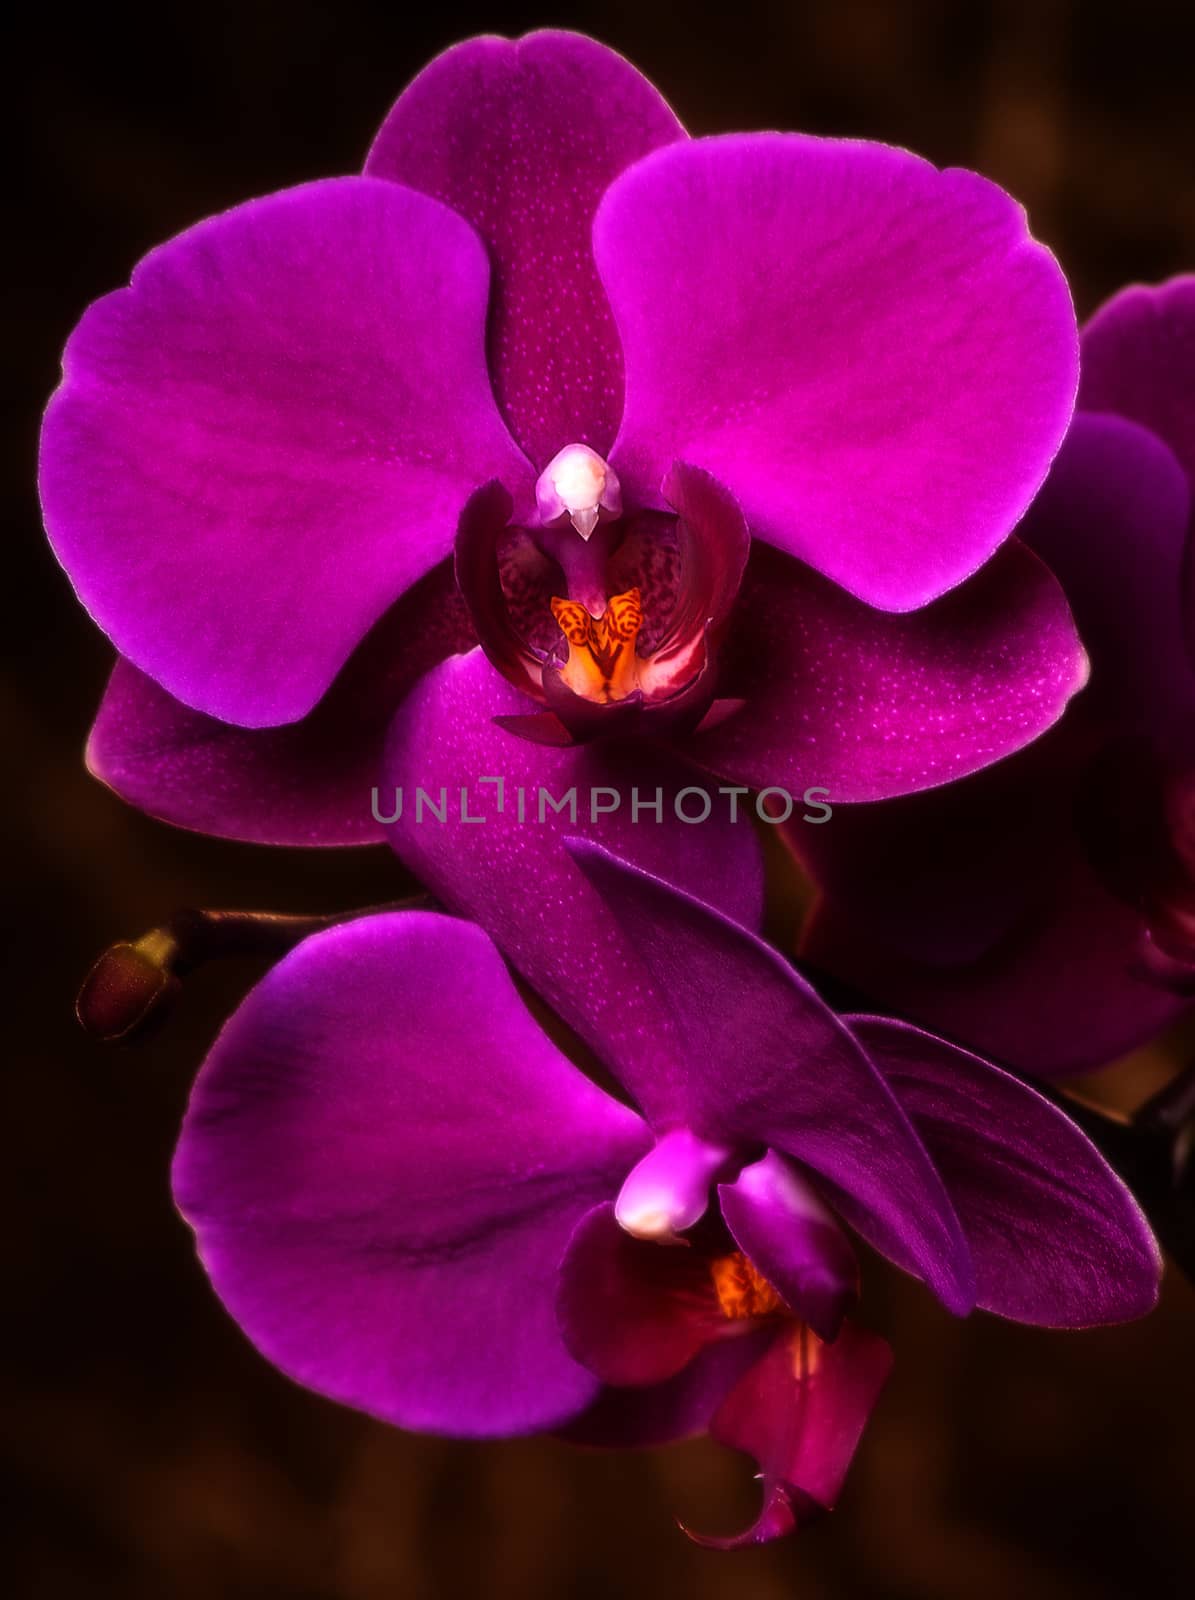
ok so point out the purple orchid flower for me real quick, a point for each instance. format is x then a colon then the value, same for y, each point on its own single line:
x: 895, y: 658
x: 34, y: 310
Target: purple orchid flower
x: 1043, y: 911
x: 723, y: 439
x: 413, y: 1202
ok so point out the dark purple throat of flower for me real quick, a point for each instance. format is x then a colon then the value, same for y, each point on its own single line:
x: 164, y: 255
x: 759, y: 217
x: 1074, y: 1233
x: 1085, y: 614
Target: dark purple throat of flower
x: 607, y: 615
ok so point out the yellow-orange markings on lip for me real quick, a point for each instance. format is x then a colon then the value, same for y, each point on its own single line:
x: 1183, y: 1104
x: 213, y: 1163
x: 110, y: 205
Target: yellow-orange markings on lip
x: 601, y: 661
x: 742, y: 1290
x: 624, y: 616
x: 573, y: 620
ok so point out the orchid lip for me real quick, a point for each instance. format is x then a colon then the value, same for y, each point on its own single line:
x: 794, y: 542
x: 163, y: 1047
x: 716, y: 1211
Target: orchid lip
x: 601, y: 663
x: 614, y: 633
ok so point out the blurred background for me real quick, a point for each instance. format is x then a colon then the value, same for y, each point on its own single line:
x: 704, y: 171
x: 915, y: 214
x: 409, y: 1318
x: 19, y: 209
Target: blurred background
x: 147, y: 1450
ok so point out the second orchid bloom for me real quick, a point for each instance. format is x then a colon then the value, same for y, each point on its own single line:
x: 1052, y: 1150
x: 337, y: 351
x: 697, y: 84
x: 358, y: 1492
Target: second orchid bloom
x: 412, y: 1201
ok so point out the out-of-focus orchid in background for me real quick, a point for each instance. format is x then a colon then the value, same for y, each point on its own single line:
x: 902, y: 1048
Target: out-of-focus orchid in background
x: 412, y: 1201
x: 563, y: 453
x: 1043, y: 910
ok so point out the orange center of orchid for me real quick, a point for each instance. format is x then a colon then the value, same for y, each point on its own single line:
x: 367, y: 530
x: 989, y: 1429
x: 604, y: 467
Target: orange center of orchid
x: 601, y: 661
x: 742, y: 1290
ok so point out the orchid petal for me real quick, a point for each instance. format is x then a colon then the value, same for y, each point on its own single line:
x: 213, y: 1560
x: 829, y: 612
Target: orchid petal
x: 483, y: 524
x: 1112, y: 523
x: 269, y: 436
x: 1057, y: 1237
x: 713, y: 544
x: 522, y: 137
x: 309, y: 783
x: 1138, y: 357
x: 866, y: 705
x: 383, y: 1161
x: 872, y: 355
x: 510, y: 872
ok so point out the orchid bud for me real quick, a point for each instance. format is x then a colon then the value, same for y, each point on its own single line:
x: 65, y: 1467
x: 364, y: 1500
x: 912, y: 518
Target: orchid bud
x: 130, y: 989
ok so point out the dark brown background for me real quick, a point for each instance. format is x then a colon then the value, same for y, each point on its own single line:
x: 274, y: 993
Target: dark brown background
x: 148, y: 1452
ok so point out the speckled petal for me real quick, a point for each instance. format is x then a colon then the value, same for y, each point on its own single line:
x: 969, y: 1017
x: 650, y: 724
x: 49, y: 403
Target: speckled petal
x: 511, y: 873
x: 522, y: 137
x: 868, y: 705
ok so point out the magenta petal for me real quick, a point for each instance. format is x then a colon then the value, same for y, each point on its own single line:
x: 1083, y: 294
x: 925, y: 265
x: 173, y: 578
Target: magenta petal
x: 383, y: 1161
x: 1138, y: 357
x: 1057, y: 1237
x: 522, y: 137
x: 512, y: 874
x: 868, y: 705
x: 1112, y: 523
x: 260, y: 444
x: 763, y: 1061
x: 800, y: 1412
x: 872, y: 355
x: 782, y: 1227
x: 631, y: 1311
x: 308, y: 783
